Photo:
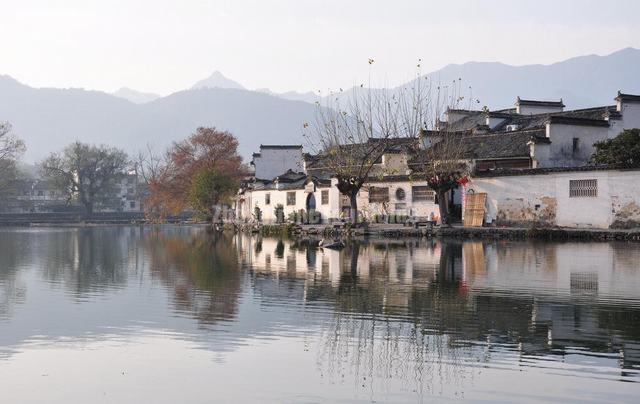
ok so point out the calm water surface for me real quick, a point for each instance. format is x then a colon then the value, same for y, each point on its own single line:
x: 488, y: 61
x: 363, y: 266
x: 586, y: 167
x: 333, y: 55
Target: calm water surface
x: 173, y: 314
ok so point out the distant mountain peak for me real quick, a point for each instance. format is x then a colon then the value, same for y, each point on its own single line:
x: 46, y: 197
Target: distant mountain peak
x: 8, y: 79
x: 309, y: 96
x: 218, y: 80
x: 135, y: 96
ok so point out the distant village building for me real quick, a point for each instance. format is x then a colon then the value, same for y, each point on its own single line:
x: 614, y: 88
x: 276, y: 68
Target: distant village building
x: 532, y: 162
x: 129, y: 194
x: 37, y: 195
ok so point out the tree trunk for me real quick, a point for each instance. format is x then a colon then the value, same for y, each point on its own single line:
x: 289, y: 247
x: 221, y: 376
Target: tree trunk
x: 353, y: 201
x: 355, y: 252
x: 443, y: 207
x: 88, y: 209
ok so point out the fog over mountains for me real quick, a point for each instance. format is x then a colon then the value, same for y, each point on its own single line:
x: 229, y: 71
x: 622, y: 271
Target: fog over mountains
x: 49, y: 118
x: 217, y: 80
x: 137, y: 97
x: 581, y: 82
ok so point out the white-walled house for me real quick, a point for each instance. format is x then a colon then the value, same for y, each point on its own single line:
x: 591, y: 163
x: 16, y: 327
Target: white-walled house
x: 293, y: 192
x: 585, y: 197
x: 389, y: 191
x: 532, y: 161
x: 538, y: 134
x: 396, y: 195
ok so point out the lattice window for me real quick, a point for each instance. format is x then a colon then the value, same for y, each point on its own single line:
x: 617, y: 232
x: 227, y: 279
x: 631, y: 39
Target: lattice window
x: 378, y: 194
x: 324, y: 197
x: 291, y: 198
x: 422, y: 193
x: 584, y: 281
x: 583, y: 188
x: 267, y: 199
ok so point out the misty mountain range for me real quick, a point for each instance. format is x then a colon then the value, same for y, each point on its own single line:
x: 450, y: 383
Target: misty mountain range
x: 49, y: 118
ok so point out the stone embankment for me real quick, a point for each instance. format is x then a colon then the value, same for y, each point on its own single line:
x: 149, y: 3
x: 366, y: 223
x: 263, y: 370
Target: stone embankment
x: 396, y: 231
x: 78, y: 219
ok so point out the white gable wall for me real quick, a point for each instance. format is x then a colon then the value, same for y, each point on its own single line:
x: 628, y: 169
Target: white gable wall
x: 561, y: 153
x: 272, y: 162
x: 536, y: 109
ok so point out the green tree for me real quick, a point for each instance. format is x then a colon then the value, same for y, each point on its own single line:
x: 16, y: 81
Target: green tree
x: 88, y: 173
x: 209, y: 189
x: 622, y: 151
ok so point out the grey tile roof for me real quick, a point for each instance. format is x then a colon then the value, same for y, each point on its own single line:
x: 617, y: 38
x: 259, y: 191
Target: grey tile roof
x: 280, y: 146
x: 290, y: 176
x: 315, y: 162
x: 288, y: 181
x: 502, y: 145
x: 476, y: 119
x: 466, y: 123
x: 504, y: 172
x: 491, y: 146
x: 569, y: 120
x: 627, y: 97
x: 559, y: 104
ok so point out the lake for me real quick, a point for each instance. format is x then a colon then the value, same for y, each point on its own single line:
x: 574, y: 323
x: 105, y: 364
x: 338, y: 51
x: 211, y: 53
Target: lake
x: 171, y: 314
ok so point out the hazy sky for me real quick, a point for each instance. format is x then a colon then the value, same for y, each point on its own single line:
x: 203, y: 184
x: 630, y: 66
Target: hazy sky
x: 163, y: 46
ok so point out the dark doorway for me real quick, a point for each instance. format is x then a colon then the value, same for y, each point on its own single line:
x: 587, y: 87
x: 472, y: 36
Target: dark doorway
x: 311, y: 202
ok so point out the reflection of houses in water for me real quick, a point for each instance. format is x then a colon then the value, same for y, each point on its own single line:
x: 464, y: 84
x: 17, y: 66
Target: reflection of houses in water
x: 398, y: 263
x: 546, y: 298
x: 568, y: 288
x: 563, y: 270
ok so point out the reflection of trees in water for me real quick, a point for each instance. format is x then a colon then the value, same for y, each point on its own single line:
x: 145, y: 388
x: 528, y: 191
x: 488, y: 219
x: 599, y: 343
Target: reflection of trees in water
x: 88, y: 260
x: 376, y: 349
x: 201, y: 269
x: 13, y: 253
x: 83, y: 261
x: 374, y: 341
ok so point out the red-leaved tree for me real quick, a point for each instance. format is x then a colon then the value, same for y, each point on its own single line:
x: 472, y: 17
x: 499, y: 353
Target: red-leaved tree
x: 170, y: 179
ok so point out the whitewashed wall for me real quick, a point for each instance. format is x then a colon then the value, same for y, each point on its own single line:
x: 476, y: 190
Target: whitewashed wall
x: 258, y: 198
x: 419, y: 209
x: 544, y: 199
x: 272, y: 162
x: 560, y: 151
x: 332, y: 210
x: 536, y: 109
x: 630, y: 116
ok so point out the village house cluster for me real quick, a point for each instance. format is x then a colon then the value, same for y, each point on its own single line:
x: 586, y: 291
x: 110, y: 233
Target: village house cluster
x: 39, y: 195
x: 532, y: 162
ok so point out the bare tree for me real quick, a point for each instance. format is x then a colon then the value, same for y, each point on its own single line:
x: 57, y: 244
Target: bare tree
x: 350, y: 141
x: 443, y: 163
x: 443, y: 158
x: 88, y: 173
x: 353, y: 132
x: 11, y: 147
